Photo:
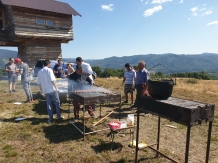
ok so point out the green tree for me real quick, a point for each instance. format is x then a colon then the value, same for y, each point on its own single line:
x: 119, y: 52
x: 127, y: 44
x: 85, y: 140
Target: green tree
x: 98, y: 71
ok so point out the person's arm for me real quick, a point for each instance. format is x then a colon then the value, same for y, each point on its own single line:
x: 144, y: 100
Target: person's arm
x: 40, y: 88
x: 54, y: 84
x: 7, y: 69
x: 55, y: 69
x: 124, y: 79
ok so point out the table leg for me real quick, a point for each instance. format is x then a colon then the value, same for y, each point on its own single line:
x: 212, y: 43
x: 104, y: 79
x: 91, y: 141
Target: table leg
x: 158, y: 136
x: 137, y: 137
x: 208, y: 142
x: 187, y: 143
x: 112, y: 140
x: 84, y: 127
x: 100, y: 111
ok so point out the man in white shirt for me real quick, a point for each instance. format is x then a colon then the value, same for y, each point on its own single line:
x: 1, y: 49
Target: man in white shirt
x: 87, y: 73
x: 129, y: 80
x: 87, y: 70
x: 46, y: 81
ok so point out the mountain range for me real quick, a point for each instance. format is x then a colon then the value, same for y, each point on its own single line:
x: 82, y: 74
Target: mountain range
x: 175, y: 62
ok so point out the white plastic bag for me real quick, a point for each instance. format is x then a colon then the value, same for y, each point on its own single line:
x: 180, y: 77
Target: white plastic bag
x: 130, y: 120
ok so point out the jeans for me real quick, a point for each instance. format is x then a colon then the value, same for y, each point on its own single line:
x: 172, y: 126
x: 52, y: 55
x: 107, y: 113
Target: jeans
x: 53, y: 97
x: 27, y: 90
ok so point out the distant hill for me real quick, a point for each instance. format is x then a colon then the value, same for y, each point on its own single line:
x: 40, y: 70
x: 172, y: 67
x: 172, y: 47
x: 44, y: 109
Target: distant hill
x: 177, y: 63
x: 5, y: 55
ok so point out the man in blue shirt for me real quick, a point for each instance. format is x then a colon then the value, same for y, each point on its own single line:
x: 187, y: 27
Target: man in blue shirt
x: 59, y: 70
x: 142, y: 77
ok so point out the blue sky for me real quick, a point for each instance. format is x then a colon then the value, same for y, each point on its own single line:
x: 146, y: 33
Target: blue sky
x: 131, y: 27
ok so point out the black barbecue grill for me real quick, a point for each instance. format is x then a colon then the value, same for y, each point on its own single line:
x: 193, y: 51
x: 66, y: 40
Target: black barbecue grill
x: 91, y: 95
x: 186, y: 112
x: 94, y: 95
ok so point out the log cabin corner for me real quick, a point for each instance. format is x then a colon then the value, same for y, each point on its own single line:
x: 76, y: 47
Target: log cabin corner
x: 36, y: 27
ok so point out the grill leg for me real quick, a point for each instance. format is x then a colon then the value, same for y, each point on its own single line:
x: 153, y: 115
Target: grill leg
x: 137, y: 137
x: 158, y: 136
x: 208, y: 142
x: 187, y: 143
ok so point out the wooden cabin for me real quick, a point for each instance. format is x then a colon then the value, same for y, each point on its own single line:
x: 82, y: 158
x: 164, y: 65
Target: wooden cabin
x: 36, y: 27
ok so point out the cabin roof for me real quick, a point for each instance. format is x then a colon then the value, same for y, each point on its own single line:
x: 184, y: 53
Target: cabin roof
x: 45, y: 5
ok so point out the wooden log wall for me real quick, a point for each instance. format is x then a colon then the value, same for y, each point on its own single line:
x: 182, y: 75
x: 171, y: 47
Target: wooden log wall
x: 30, y: 52
x: 26, y: 26
x: 10, y: 30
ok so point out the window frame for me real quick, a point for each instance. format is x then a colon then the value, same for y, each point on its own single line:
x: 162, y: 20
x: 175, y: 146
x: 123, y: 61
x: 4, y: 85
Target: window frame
x: 49, y: 24
x: 41, y: 23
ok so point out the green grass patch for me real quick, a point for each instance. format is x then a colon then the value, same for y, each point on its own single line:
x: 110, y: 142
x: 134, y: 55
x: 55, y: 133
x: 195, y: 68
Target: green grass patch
x: 192, y: 81
x: 214, y: 139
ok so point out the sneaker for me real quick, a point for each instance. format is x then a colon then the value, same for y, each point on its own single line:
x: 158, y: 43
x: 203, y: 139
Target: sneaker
x: 125, y: 101
x: 31, y: 100
x: 10, y: 91
x: 133, y: 106
x: 76, y: 119
x: 27, y: 101
x: 92, y: 116
x: 14, y: 90
x: 49, y: 121
x: 61, y: 117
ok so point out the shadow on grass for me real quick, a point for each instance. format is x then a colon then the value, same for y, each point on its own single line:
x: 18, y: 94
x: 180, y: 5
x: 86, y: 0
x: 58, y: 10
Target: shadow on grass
x: 41, y: 108
x: 33, y: 120
x: 106, y: 146
x: 61, y: 133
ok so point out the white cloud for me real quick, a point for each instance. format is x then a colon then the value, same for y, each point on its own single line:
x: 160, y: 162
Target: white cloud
x: 181, y: 1
x: 151, y: 11
x: 189, y: 18
x: 147, y: 2
x: 207, y: 12
x: 160, y: 1
x: 204, y: 4
x: 194, y: 14
x: 202, y: 9
x: 141, y: 0
x: 194, y: 9
x: 107, y: 7
x: 212, y: 23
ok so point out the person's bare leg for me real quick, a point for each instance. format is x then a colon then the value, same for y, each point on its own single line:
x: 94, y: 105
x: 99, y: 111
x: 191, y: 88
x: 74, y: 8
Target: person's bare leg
x: 14, y: 85
x: 126, y: 96
x: 10, y: 86
x: 132, y: 97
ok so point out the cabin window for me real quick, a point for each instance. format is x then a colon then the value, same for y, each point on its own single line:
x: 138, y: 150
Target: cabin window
x: 40, y: 21
x: 50, y: 23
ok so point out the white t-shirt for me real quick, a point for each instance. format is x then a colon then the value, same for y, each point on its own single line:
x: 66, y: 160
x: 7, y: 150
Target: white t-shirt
x: 130, y: 76
x: 44, y: 78
x: 87, y: 69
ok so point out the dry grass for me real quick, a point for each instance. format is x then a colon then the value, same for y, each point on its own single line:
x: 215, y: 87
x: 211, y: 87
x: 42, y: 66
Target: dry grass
x: 33, y: 140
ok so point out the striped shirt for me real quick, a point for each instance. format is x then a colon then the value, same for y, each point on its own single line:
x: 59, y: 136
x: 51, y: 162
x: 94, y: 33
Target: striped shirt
x: 130, y: 76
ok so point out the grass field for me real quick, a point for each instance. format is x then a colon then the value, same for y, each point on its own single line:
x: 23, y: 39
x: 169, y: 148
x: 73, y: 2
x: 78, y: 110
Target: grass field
x: 33, y: 140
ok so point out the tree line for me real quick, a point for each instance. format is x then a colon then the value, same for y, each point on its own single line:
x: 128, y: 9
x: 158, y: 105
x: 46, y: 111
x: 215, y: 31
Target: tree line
x: 119, y: 73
